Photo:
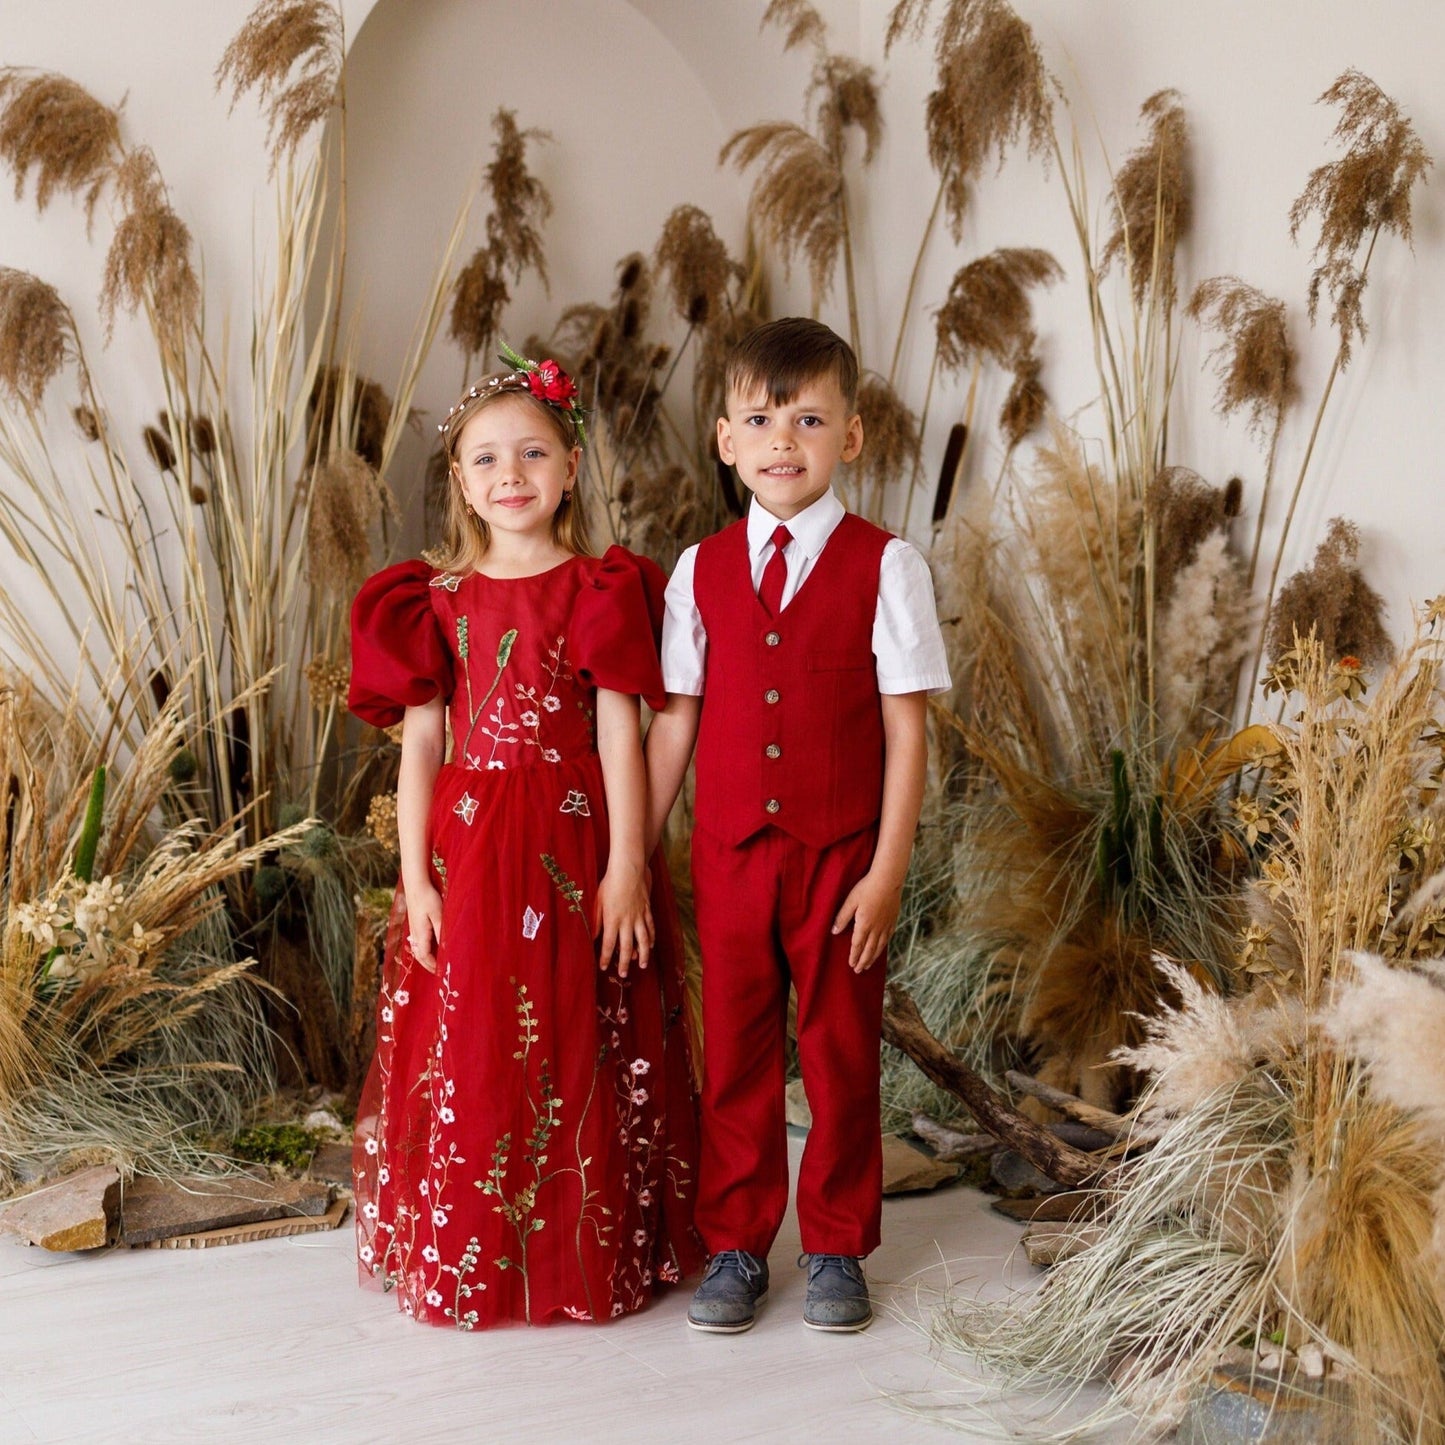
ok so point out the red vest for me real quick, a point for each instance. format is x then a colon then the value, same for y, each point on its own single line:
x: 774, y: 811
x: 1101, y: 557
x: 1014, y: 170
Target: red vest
x: 792, y: 724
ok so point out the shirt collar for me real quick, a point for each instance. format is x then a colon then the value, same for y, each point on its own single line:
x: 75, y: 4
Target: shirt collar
x: 811, y: 528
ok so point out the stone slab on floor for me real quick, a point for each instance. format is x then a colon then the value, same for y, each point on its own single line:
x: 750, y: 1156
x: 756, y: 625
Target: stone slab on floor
x: 78, y: 1211
x: 260, y: 1229
x: 158, y: 1209
x: 906, y: 1169
x: 331, y: 1163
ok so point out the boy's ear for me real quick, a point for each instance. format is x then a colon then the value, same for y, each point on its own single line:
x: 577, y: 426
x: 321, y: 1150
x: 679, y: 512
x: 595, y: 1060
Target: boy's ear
x: 725, y: 441
x: 852, y: 438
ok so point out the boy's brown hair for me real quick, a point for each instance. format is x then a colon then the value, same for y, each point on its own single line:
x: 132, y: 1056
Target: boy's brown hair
x: 780, y: 356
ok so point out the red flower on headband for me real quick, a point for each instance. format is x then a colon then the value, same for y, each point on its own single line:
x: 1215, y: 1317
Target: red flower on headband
x: 550, y: 383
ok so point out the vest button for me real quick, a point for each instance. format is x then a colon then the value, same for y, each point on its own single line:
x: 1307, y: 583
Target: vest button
x: 772, y: 639
x: 772, y: 805
x: 773, y: 750
x: 772, y: 695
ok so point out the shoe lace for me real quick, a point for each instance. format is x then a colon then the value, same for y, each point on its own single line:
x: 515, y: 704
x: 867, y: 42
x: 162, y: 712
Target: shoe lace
x: 817, y: 1263
x: 744, y: 1263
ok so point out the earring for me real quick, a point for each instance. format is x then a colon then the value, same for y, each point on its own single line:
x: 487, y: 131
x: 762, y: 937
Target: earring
x: 566, y: 496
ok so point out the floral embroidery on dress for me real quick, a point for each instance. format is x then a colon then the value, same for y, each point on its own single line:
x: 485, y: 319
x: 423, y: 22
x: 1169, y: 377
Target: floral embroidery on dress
x: 466, y: 808
x: 531, y: 922
x: 565, y: 886
x: 575, y: 802
x: 449, y: 580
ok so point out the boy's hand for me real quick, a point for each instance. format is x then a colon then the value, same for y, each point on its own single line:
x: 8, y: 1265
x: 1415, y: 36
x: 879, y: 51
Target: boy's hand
x: 623, y: 919
x: 872, y: 906
x: 424, y: 924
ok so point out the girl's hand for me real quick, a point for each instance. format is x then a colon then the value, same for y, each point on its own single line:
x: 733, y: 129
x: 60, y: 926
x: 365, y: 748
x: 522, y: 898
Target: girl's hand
x: 424, y: 924
x: 623, y: 918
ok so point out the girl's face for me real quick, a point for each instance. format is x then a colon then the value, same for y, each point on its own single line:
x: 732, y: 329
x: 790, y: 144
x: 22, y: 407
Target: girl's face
x: 513, y: 467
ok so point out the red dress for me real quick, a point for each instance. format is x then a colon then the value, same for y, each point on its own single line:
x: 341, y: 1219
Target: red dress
x: 526, y: 1138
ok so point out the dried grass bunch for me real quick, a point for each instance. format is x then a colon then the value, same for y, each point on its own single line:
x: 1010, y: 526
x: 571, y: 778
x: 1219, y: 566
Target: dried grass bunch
x: 520, y: 207
x: 291, y: 53
x: 127, y: 1012
x: 50, y: 124
x: 993, y: 90
x: 1152, y: 202
x: 36, y: 331
x: 1290, y: 1195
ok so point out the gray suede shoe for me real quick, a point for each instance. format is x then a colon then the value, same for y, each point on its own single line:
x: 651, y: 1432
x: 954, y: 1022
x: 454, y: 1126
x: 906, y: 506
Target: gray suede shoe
x: 734, y: 1285
x: 837, y: 1297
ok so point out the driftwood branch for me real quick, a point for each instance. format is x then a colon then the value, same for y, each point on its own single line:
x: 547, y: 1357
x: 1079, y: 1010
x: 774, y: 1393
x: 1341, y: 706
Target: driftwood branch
x: 950, y: 1145
x: 903, y: 1027
x: 1071, y: 1107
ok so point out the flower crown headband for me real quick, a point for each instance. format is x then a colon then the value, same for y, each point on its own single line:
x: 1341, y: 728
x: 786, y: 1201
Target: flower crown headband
x: 544, y: 380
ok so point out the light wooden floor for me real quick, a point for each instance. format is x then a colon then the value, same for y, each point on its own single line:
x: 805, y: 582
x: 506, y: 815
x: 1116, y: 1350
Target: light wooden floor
x: 274, y: 1342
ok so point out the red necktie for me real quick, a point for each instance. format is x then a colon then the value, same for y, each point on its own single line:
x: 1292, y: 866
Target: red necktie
x: 775, y: 574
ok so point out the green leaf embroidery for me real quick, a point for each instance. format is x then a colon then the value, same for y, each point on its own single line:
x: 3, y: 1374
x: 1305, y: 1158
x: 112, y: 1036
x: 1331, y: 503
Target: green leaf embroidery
x: 504, y: 647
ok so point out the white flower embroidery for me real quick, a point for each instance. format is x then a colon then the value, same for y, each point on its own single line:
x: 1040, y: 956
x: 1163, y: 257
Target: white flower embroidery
x: 383, y: 1175
x: 447, y: 580
x: 531, y: 922
x: 439, y: 1217
x: 424, y: 1187
x: 434, y: 1297
x: 447, y: 1116
x: 552, y: 755
x: 639, y: 1096
x: 576, y: 802
x: 639, y: 1237
x: 451, y: 1088
x: 401, y: 998
x: 466, y: 808
x: 498, y: 764
x: 367, y: 1254
x: 572, y: 1312
x: 386, y: 1014
x: 530, y: 719
x: 550, y: 703
x: 370, y: 1210
x: 645, y: 1198
x: 639, y: 1066
x: 370, y: 1146
x: 429, y: 1253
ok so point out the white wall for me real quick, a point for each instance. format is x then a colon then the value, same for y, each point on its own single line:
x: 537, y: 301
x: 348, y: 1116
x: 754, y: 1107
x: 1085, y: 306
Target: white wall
x: 639, y: 97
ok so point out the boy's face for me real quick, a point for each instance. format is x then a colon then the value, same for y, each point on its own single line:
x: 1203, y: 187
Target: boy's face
x: 785, y: 455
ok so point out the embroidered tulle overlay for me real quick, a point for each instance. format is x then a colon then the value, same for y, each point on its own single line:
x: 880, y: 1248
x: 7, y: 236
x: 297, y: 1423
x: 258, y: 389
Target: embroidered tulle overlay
x: 526, y: 1138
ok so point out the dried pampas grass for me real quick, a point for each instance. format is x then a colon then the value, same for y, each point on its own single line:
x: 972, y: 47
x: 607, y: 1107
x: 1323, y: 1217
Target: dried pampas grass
x: 992, y: 90
x: 1331, y: 600
x: 800, y: 21
x: 694, y: 262
x: 891, y: 441
x: 36, y: 335
x: 149, y: 261
x: 1254, y: 359
x: 346, y: 502
x: 1027, y: 403
x: 1152, y: 202
x: 987, y: 311
x: 796, y: 198
x: 279, y: 39
x: 520, y: 207
x: 843, y: 92
x: 51, y: 124
x: 1366, y: 191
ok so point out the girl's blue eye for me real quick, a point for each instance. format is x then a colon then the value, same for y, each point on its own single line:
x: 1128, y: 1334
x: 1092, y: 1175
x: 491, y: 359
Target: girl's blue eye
x: 484, y: 458
x: 535, y: 452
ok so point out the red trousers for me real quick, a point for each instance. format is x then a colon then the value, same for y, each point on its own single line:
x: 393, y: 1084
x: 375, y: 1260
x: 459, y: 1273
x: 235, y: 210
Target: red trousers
x: 765, y: 911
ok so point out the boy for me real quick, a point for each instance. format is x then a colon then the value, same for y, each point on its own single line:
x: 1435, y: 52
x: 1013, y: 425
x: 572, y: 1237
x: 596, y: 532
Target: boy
x: 798, y: 650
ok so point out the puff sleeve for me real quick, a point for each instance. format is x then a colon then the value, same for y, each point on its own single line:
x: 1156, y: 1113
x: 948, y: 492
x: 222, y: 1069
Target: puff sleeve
x: 399, y: 654
x: 616, y: 625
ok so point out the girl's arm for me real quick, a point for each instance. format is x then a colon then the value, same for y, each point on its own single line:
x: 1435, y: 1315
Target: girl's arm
x: 423, y: 745
x: 624, y: 915
x: 873, y: 903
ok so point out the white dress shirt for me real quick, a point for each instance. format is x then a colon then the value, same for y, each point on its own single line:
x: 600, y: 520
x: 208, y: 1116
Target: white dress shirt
x: 907, y: 643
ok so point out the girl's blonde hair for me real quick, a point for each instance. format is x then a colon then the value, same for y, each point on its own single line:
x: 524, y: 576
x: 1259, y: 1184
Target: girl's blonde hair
x: 465, y: 536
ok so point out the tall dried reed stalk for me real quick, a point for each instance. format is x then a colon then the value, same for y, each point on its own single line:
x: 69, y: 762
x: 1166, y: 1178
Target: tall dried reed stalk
x: 181, y: 564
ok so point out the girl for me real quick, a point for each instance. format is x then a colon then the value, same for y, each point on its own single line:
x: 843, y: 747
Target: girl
x: 526, y: 1136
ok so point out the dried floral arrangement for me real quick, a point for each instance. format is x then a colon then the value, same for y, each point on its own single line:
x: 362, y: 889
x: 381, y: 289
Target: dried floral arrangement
x: 202, y: 566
